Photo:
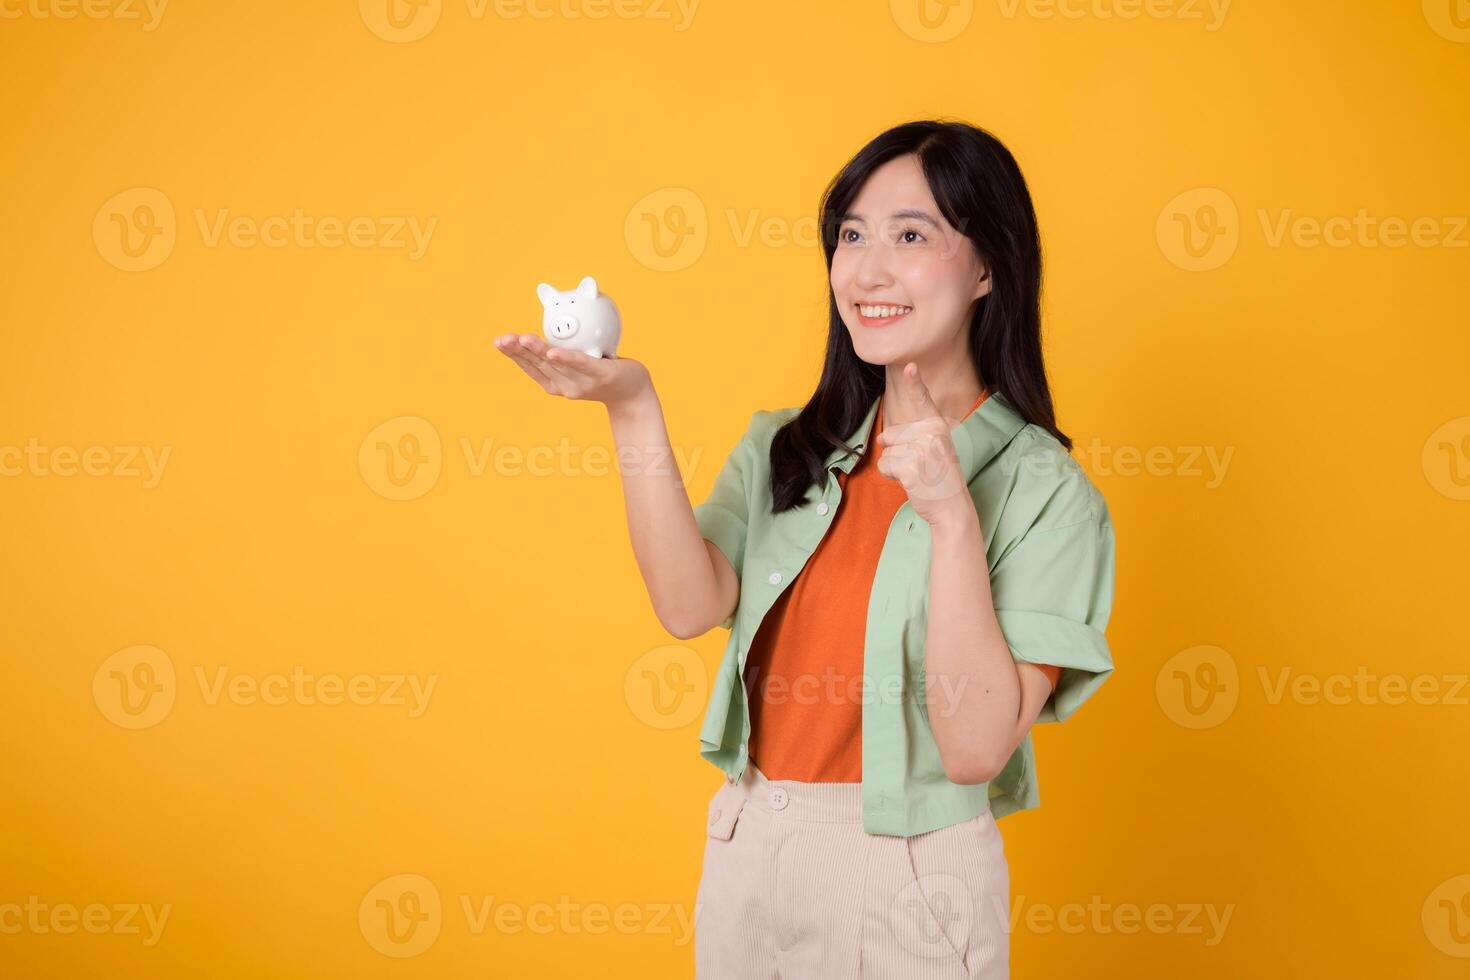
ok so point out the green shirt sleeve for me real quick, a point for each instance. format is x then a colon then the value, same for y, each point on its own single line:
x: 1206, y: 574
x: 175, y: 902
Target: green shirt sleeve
x: 1053, y: 592
x: 723, y: 517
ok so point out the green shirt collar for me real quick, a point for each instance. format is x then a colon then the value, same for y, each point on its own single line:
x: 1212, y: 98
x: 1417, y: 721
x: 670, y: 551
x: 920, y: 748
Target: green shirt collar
x: 982, y: 434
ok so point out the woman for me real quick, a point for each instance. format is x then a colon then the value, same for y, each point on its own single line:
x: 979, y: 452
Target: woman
x: 912, y: 561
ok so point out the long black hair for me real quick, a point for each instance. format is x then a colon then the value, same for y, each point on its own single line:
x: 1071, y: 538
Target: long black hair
x: 980, y: 191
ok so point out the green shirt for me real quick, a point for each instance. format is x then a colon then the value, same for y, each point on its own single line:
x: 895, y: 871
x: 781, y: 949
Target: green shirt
x: 1049, y: 549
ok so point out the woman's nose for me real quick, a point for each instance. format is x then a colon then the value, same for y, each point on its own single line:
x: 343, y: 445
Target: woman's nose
x: 873, y: 270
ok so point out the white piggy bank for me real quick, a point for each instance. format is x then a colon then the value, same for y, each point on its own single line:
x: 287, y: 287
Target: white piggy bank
x: 582, y: 319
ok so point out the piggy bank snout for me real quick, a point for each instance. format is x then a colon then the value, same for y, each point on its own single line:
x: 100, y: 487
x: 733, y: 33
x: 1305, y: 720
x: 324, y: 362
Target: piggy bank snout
x: 563, y: 325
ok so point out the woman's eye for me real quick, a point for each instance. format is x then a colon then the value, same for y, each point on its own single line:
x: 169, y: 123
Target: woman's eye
x: 904, y: 236
x: 843, y: 235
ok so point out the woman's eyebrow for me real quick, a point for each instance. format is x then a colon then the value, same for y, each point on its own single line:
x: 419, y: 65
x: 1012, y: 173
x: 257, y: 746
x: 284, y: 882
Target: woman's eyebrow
x: 906, y: 213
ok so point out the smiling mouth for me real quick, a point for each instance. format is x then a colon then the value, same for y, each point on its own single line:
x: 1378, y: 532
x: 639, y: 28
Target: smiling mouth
x: 881, y: 315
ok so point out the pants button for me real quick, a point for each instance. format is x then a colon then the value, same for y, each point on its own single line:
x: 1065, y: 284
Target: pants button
x: 779, y: 799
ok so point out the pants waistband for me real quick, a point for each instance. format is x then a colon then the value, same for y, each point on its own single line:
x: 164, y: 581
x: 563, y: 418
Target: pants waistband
x: 827, y: 802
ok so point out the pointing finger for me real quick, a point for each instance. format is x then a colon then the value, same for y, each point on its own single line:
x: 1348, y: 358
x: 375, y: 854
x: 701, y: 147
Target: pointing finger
x: 918, y: 392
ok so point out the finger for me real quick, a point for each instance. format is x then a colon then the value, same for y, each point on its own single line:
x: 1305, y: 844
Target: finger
x: 893, y: 460
x: 529, y: 365
x: 510, y: 346
x: 537, y: 350
x: 896, y: 456
x: 900, y: 433
x: 534, y: 343
x: 918, y: 392
x: 506, y: 344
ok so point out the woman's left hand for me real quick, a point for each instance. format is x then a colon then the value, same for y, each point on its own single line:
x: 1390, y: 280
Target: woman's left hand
x: 919, y: 453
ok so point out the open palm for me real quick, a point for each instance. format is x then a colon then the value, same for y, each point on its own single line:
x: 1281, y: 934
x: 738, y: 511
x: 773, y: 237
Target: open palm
x: 571, y: 373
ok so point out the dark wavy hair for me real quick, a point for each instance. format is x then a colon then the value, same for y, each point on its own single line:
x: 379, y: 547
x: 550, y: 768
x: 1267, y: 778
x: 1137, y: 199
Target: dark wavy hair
x: 980, y: 191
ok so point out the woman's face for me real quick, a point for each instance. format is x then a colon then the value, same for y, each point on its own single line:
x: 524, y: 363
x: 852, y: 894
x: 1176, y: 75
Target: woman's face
x: 895, y: 250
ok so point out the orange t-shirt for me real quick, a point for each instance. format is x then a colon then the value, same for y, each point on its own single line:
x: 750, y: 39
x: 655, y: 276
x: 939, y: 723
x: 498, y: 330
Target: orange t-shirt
x: 804, y: 670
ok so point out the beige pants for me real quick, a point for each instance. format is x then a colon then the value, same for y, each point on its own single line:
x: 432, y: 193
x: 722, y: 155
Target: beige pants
x: 794, y: 888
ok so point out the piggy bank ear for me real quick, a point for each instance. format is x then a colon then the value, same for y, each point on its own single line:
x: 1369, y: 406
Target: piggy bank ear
x: 547, y: 293
x: 587, y: 288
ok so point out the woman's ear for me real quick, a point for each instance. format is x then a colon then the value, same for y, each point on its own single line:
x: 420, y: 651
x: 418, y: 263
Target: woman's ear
x: 982, y: 284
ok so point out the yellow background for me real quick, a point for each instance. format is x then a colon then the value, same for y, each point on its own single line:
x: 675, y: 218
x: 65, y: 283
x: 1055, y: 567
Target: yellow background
x: 546, y: 149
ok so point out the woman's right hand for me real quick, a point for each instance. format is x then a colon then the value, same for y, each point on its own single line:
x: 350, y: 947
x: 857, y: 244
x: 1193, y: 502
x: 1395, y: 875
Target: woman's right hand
x: 573, y: 374
x: 690, y: 593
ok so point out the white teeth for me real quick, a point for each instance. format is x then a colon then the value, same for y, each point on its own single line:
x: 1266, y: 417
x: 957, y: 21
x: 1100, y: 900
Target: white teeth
x: 884, y: 311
